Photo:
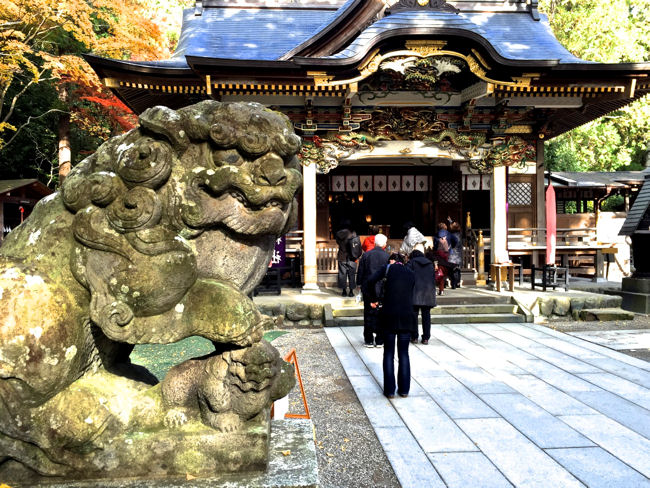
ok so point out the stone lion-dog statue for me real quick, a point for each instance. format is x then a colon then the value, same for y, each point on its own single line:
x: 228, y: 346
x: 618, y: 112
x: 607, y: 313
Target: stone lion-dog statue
x: 158, y: 236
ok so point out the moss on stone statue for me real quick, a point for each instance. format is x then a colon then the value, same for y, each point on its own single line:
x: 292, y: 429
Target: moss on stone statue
x: 157, y: 238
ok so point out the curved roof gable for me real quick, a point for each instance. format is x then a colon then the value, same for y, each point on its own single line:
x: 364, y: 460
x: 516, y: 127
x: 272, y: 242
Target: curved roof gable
x: 512, y: 37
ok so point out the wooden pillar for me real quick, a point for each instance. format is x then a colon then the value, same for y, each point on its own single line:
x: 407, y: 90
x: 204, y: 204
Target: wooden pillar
x: 498, y: 216
x: 309, y: 226
x: 2, y: 220
x: 540, y: 201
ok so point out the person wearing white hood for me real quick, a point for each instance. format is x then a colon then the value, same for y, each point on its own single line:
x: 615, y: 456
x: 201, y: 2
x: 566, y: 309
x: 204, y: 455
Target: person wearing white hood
x: 412, y: 239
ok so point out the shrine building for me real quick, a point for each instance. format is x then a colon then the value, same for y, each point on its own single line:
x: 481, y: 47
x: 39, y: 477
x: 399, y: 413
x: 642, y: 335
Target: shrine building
x: 409, y: 110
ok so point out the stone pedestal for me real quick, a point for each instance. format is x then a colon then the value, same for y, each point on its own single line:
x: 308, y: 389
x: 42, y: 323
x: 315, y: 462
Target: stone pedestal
x: 636, y: 295
x: 292, y: 463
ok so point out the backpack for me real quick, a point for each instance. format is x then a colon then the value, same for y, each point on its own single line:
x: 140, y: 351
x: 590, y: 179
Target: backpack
x: 354, y: 247
x: 443, y: 245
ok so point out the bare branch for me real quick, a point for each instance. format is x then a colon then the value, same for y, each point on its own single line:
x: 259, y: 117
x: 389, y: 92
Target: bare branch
x: 9, y: 24
x: 30, y: 119
x: 12, y: 107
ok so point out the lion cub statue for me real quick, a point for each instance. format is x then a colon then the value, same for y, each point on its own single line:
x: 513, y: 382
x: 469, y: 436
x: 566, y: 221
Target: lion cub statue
x: 158, y: 236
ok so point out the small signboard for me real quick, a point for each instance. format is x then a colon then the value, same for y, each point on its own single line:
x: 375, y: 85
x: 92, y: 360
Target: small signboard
x: 278, y: 260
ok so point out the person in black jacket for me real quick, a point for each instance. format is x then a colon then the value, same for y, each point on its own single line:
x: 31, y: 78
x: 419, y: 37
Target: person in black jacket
x: 424, y: 293
x: 346, y: 264
x: 369, y: 263
x: 396, y: 322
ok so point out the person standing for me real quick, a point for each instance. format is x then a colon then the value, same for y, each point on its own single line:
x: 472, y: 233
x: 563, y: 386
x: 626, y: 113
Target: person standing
x: 443, y: 241
x: 424, y: 293
x: 346, y: 264
x: 396, y: 322
x: 412, y: 238
x: 455, y: 255
x: 370, y: 262
x: 369, y: 242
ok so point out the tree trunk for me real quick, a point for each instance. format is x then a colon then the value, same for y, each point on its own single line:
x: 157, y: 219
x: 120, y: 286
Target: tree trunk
x: 65, y: 154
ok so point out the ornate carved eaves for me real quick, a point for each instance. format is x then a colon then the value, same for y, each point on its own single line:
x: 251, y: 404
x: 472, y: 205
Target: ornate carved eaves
x: 405, y: 5
x: 427, y: 47
x: 421, y: 49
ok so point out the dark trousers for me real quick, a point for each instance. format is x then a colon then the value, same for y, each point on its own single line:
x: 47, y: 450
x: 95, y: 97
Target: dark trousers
x: 426, y: 321
x: 347, y: 272
x: 371, y: 333
x: 454, y: 277
x: 403, y: 367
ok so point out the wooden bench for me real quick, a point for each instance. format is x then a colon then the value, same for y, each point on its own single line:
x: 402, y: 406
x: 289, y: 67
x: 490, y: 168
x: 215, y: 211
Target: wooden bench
x: 548, y: 277
x: 497, y: 271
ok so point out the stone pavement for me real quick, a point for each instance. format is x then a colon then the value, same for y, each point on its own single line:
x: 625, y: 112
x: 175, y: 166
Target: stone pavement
x: 498, y: 405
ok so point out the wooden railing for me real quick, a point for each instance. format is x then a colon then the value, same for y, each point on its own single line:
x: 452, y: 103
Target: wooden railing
x: 576, y: 248
x: 326, y: 259
x: 294, y: 241
x: 530, y: 237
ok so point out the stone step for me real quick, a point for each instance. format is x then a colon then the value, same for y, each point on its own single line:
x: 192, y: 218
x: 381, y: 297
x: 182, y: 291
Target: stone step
x: 451, y: 299
x: 353, y: 311
x: 602, y: 314
x: 474, y: 308
x: 467, y: 309
x: 484, y: 318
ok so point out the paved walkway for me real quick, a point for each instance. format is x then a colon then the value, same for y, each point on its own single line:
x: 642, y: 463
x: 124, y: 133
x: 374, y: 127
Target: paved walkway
x: 498, y: 405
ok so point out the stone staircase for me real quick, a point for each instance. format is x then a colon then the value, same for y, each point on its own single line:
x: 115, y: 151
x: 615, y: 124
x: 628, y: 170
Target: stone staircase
x: 450, y: 310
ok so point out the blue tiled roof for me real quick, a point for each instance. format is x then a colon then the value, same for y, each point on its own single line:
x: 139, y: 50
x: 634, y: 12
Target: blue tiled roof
x: 515, y: 36
x: 267, y: 34
x: 247, y: 34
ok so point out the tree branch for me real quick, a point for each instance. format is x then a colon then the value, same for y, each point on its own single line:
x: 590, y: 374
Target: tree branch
x: 22, y: 92
x: 30, y: 119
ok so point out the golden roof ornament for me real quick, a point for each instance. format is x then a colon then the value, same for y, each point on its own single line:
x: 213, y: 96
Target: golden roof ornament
x: 405, y: 5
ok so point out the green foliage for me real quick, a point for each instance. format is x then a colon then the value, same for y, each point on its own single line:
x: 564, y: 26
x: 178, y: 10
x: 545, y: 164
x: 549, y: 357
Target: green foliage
x: 614, y: 203
x: 604, y: 31
x: 34, y: 151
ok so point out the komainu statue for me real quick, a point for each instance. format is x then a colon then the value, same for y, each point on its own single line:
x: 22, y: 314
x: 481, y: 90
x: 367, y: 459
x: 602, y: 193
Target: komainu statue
x: 158, y: 236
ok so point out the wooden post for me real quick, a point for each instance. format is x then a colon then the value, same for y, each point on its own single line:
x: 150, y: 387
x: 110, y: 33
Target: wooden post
x: 480, y: 250
x: 309, y: 227
x: 498, y: 214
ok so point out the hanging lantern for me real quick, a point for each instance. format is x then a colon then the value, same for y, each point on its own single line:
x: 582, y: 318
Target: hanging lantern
x: 360, y: 197
x: 368, y: 218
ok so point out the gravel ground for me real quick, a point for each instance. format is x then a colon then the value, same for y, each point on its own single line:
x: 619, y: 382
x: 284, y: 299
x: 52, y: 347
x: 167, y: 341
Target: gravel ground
x: 349, y: 453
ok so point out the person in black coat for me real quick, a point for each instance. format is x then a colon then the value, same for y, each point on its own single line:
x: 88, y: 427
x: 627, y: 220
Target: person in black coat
x: 424, y: 292
x: 346, y: 264
x: 369, y: 263
x: 396, y: 322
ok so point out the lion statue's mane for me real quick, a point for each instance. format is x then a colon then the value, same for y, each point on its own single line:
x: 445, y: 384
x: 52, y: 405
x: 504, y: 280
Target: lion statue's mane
x: 159, y: 235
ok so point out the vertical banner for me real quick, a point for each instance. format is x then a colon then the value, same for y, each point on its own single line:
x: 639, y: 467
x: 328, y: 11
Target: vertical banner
x: 352, y: 183
x: 421, y: 183
x: 379, y: 183
x: 278, y: 259
x: 394, y: 183
x: 551, y: 224
x: 408, y: 183
x: 338, y: 183
x: 365, y: 183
